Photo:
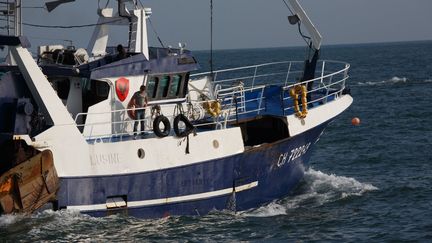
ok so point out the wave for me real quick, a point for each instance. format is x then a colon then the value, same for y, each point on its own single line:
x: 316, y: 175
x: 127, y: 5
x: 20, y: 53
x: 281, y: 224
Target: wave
x: 66, y: 217
x: 9, y: 219
x: 393, y: 80
x: 317, y: 189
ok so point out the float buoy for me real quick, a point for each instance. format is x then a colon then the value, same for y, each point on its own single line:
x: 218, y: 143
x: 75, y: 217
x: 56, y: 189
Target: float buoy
x: 131, y: 109
x: 355, y: 121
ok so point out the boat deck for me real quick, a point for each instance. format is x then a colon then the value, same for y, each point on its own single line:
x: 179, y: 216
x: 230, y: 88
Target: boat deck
x: 244, y: 100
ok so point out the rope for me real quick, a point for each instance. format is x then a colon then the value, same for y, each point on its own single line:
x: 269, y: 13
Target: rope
x: 157, y: 35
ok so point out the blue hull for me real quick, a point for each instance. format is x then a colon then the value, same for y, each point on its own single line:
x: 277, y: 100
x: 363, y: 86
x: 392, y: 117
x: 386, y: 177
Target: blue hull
x: 272, y: 167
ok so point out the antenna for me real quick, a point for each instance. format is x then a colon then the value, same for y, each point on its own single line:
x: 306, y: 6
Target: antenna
x: 182, y: 47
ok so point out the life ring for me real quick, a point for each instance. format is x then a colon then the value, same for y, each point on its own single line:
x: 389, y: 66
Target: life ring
x: 156, y: 126
x: 294, y: 93
x: 213, y: 108
x: 189, y: 126
x: 131, y: 110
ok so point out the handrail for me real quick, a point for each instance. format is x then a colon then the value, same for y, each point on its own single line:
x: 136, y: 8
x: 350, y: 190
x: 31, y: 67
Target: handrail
x: 255, y: 68
x: 244, y: 67
x: 326, y: 72
x: 245, y: 99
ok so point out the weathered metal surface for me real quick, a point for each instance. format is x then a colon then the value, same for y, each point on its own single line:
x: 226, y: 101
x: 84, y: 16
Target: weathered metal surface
x: 29, y: 185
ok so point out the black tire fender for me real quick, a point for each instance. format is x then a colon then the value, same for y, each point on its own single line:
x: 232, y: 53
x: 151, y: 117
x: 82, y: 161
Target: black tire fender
x: 189, y: 126
x: 156, y: 128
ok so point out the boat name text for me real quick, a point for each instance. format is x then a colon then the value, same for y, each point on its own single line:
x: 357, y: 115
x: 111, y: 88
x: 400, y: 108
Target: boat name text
x: 293, y: 154
x: 104, y: 159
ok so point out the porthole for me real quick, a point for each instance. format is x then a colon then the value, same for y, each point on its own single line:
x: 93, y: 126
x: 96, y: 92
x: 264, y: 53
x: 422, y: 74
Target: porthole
x: 141, y: 153
x: 215, y: 144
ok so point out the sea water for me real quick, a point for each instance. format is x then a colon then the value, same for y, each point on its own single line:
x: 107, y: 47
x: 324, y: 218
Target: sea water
x: 371, y: 182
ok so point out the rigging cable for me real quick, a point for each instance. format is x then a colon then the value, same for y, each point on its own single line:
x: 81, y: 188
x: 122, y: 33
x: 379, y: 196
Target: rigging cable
x: 55, y: 39
x: 106, y: 5
x: 305, y: 38
x: 286, y: 4
x: 69, y: 26
x: 211, y: 38
x: 155, y: 32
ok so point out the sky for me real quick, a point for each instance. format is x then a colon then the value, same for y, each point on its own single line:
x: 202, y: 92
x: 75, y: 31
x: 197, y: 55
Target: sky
x: 244, y: 23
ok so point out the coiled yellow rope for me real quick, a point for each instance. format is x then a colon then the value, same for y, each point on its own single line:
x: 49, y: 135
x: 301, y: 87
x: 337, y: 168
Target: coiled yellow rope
x: 294, y: 93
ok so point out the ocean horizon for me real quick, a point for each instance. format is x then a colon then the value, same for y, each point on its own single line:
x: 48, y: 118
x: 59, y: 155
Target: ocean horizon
x: 371, y: 182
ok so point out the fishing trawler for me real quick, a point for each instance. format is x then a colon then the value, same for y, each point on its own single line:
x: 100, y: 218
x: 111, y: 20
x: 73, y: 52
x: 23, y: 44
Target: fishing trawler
x: 231, y: 139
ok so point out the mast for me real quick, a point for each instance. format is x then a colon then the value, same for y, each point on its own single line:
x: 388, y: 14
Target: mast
x: 11, y: 11
x: 18, y: 18
x: 134, y: 18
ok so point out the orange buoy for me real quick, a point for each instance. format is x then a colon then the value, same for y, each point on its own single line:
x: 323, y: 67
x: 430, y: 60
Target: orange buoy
x: 355, y: 121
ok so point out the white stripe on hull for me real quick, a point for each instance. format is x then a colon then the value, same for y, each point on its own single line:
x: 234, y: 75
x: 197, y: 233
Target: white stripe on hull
x: 153, y: 202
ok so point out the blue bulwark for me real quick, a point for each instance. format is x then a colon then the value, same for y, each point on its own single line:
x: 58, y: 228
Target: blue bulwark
x: 139, y: 65
x: 7, y: 40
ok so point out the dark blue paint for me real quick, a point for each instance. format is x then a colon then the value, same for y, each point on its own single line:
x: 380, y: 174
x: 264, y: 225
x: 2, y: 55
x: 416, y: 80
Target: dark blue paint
x: 256, y: 164
x: 139, y: 65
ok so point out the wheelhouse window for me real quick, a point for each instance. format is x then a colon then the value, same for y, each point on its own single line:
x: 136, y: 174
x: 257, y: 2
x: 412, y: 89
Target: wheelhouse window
x: 102, y: 90
x: 162, y: 91
x: 167, y: 86
x: 93, y: 92
x: 175, y: 86
x: 152, y: 87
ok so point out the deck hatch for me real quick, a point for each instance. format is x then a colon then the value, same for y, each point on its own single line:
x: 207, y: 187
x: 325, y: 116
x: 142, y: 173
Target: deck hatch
x: 115, y: 202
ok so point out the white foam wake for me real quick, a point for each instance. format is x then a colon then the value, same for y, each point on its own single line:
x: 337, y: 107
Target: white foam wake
x: 317, y: 189
x: 6, y: 220
x: 66, y: 217
x: 322, y: 183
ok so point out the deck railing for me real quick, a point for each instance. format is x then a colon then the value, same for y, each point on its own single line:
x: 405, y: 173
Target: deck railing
x: 328, y: 84
x: 283, y: 72
x: 241, y: 93
x: 124, y: 125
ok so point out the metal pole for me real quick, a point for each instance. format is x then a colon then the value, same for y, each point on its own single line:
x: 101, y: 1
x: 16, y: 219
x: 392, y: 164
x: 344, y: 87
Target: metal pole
x: 18, y: 18
x: 253, y: 80
x: 288, y: 73
x: 8, y: 19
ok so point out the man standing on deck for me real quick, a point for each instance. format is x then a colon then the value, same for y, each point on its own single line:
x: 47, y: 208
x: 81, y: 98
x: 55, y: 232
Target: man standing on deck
x: 140, y: 102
